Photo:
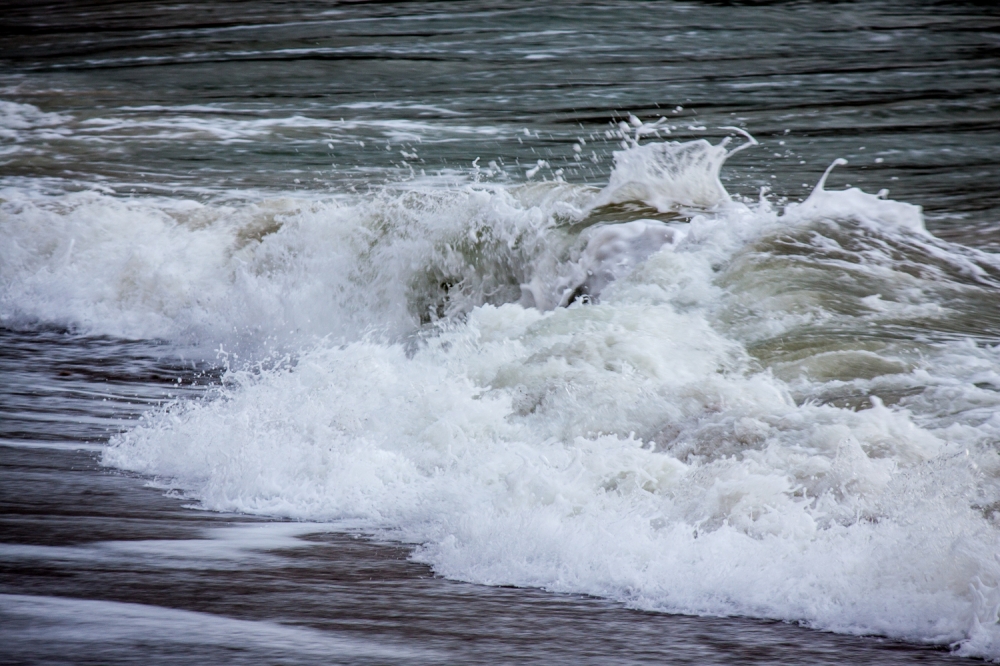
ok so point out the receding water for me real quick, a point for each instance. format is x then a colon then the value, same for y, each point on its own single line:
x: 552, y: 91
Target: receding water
x: 466, y: 332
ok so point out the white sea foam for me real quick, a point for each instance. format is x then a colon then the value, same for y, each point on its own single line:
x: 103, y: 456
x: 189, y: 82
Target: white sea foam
x: 19, y: 122
x: 117, y: 630
x: 786, y: 414
x: 668, y: 176
x: 225, y: 124
x: 285, y: 269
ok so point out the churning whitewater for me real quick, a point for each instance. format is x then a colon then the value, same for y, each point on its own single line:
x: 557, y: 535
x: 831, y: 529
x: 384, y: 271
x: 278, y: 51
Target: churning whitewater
x: 652, y: 392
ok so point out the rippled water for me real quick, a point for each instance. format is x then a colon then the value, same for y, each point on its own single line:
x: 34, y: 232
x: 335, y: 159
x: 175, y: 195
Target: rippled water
x: 543, y: 296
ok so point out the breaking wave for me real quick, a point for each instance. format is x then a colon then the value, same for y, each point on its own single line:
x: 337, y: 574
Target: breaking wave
x: 652, y: 392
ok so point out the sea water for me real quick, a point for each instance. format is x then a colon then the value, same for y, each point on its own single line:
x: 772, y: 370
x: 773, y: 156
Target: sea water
x: 562, y: 313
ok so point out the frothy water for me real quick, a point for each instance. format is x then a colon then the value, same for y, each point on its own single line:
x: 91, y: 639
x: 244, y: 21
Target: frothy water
x: 630, y: 383
x: 749, y: 410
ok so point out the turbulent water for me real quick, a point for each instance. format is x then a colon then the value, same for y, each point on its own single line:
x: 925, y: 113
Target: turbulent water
x: 688, y: 306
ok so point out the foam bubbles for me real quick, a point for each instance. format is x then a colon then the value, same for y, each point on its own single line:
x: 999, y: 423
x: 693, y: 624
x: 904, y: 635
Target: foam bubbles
x: 289, y: 269
x: 624, y: 451
x: 668, y: 175
x: 17, y: 121
x: 785, y: 414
